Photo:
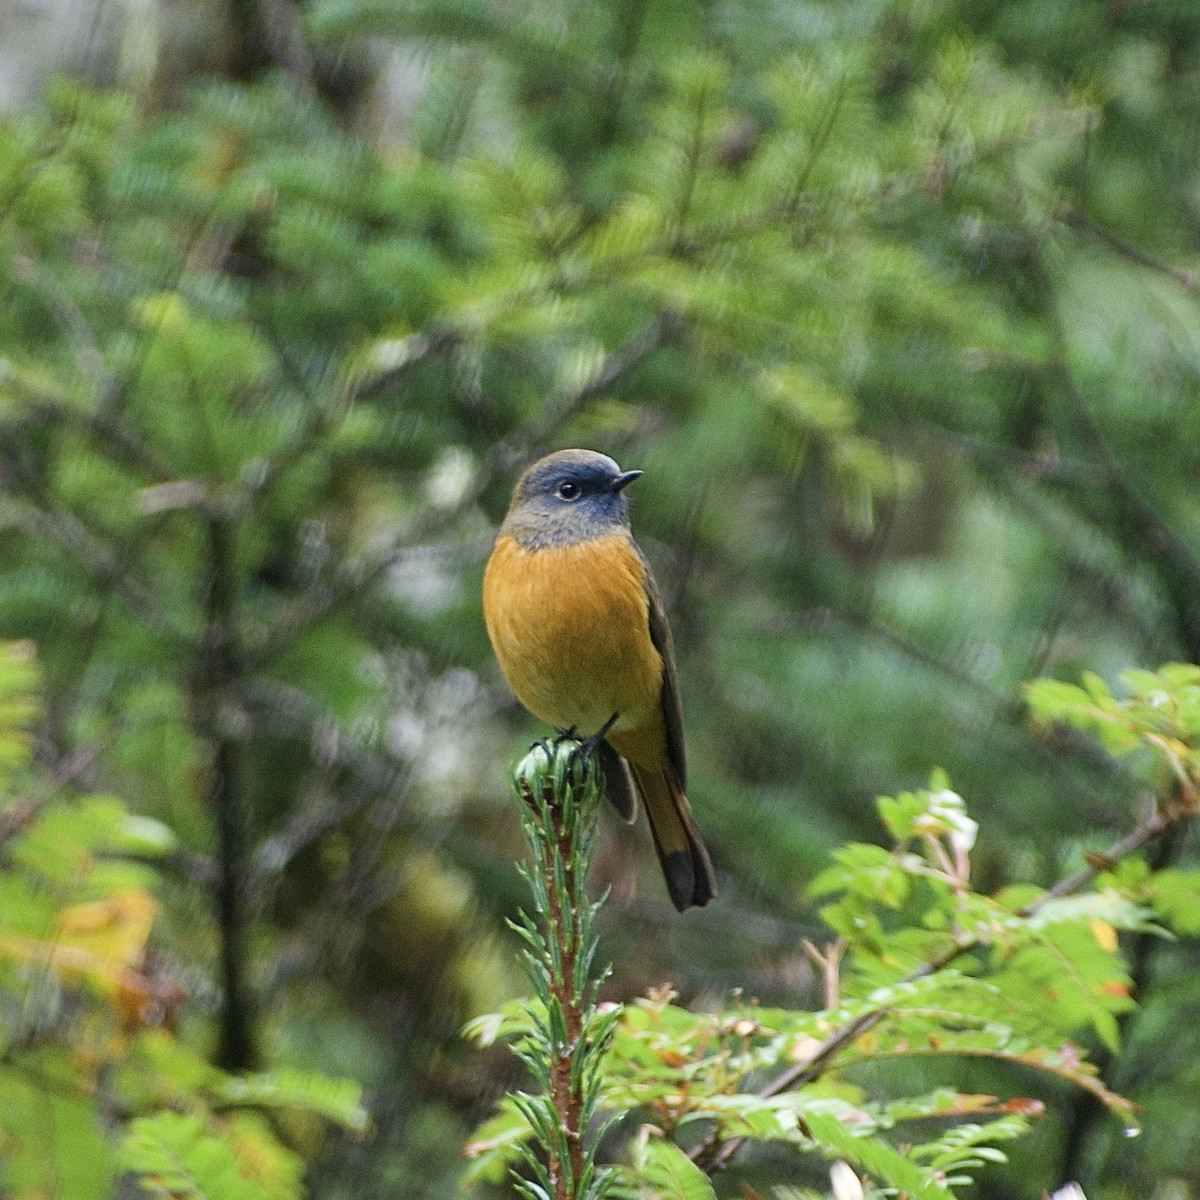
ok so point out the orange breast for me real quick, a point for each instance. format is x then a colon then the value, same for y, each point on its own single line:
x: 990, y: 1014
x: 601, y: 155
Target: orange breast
x: 571, y: 631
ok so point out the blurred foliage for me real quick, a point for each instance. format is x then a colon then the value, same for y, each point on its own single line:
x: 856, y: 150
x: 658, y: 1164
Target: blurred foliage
x: 94, y: 1075
x: 923, y: 967
x: 894, y: 301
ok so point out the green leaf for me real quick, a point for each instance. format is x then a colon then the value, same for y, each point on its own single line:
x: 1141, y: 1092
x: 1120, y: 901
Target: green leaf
x: 1107, y: 905
x: 18, y: 703
x: 1093, y: 711
x: 1175, y: 895
x: 176, y: 1156
x: 666, y: 1173
x: 337, y: 1100
x: 63, y: 843
x: 876, y: 1157
x: 747, y: 1115
x: 52, y: 1143
x: 967, y: 1146
x: 493, y: 1147
x: 864, y: 870
x: 143, y: 836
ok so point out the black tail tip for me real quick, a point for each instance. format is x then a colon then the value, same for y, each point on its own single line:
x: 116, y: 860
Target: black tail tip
x: 690, y: 883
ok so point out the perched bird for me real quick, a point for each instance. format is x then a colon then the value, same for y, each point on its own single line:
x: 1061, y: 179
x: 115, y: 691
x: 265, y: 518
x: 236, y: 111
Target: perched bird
x: 578, y: 627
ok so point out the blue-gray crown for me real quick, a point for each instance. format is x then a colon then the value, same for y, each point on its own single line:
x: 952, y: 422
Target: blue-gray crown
x: 569, y: 496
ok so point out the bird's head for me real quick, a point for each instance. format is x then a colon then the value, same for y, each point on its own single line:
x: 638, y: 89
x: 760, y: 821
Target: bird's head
x: 569, y: 496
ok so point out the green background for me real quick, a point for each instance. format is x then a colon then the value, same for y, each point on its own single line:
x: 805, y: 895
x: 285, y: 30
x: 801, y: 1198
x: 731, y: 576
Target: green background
x: 892, y: 303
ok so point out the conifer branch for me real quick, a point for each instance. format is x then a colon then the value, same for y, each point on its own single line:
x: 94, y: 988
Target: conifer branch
x: 42, y: 519
x: 823, y: 620
x: 559, y: 792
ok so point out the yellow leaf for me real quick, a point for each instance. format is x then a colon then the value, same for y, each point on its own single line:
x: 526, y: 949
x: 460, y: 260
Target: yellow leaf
x: 1105, y: 935
x: 102, y: 942
x: 115, y: 928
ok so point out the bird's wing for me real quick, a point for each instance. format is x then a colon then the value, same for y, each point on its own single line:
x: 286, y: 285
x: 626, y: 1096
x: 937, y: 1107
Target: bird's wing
x: 672, y: 710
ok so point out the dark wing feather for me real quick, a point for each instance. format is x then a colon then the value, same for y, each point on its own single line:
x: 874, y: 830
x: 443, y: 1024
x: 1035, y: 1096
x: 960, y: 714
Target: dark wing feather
x: 672, y: 710
x: 618, y: 782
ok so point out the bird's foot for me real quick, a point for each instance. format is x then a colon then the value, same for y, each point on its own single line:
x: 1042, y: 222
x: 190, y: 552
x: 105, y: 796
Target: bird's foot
x: 548, y: 745
x: 582, y: 753
x: 587, y: 748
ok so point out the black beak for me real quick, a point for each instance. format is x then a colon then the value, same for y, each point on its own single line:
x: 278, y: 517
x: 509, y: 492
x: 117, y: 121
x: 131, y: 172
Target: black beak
x: 623, y: 480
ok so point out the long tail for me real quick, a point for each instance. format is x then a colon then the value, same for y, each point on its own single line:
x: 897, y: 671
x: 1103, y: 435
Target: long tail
x: 685, y: 863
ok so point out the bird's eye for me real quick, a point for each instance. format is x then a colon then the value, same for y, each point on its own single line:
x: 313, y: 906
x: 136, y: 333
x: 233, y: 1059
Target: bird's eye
x: 567, y: 490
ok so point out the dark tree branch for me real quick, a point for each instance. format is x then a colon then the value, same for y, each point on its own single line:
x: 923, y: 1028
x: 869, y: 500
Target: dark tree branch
x: 188, y: 865
x: 1008, y: 708
x: 293, y: 712
x: 819, y: 620
x: 325, y: 413
x: 1080, y: 222
x: 1112, y: 579
x: 267, y: 35
x: 215, y: 715
x: 42, y: 518
x: 61, y: 305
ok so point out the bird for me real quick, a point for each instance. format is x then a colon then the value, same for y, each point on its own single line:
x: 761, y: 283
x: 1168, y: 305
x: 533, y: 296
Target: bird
x: 578, y: 627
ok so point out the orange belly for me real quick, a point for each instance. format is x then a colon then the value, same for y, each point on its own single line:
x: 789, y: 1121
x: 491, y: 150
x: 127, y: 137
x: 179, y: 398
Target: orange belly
x: 571, y: 631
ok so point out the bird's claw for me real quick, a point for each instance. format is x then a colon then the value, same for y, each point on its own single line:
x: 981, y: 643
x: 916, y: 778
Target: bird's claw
x: 581, y: 755
x: 587, y: 748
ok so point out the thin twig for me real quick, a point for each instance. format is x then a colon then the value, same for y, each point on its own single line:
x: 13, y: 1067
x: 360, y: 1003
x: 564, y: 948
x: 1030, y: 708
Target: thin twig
x: 62, y: 307
x: 324, y: 415
x: 63, y: 772
x: 713, y: 1154
x: 1080, y: 222
x: 1141, y: 529
x: 1003, y: 705
x: 41, y: 518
